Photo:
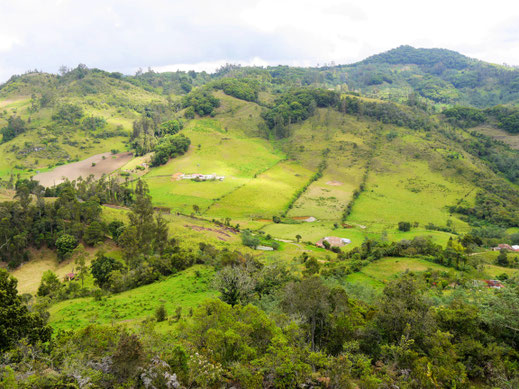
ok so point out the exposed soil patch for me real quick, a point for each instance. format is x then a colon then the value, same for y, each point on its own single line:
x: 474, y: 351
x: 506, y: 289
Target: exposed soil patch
x: 95, y: 165
x: 307, y: 219
x: 222, y: 232
x: 334, y: 183
x: 176, y: 176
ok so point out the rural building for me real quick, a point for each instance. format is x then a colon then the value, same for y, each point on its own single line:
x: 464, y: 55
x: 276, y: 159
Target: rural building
x: 334, y: 241
x: 503, y: 246
x: 201, y: 177
x: 264, y: 248
x: 494, y: 284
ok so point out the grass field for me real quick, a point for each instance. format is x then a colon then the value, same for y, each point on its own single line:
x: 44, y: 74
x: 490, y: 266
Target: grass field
x: 326, y: 198
x: 213, y: 150
x: 186, y: 289
x: 29, y: 274
x: 385, y: 269
x: 264, y: 196
x: 410, y: 192
x: 319, y: 229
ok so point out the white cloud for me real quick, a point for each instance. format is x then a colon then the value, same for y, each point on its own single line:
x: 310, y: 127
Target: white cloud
x: 123, y: 35
x: 7, y: 42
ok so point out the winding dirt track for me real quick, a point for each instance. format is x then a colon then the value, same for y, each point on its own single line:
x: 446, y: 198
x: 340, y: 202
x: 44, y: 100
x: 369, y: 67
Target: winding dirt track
x: 84, y: 168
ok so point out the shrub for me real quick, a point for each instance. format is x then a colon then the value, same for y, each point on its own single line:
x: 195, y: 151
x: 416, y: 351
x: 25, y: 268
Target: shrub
x: 161, y: 313
x: 404, y: 226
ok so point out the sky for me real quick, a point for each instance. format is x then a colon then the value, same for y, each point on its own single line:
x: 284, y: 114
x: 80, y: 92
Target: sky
x: 125, y: 35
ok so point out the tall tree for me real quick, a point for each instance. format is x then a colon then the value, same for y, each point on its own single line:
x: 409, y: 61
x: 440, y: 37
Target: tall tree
x: 16, y: 322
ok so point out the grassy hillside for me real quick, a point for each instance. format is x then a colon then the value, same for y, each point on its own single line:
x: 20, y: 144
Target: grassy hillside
x: 184, y: 290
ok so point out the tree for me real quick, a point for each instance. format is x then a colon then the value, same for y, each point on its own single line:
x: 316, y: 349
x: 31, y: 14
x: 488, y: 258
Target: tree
x: 116, y: 228
x: 249, y: 240
x: 80, y: 255
x: 16, y: 322
x: 234, y: 284
x: 65, y: 244
x: 101, y: 268
x: 298, y: 238
x: 49, y: 284
x: 15, y: 126
x: 94, y: 234
x: 138, y: 238
x: 308, y: 298
x: 404, y: 226
x: 502, y: 258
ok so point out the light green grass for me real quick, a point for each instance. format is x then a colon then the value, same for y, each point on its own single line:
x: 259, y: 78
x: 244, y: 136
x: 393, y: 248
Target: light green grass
x: 410, y: 192
x: 264, y: 196
x: 493, y: 271
x: 377, y: 273
x: 213, y: 150
x: 185, y: 290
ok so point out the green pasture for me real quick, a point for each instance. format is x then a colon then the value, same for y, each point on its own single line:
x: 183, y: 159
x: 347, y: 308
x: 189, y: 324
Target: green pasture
x: 377, y: 273
x: 410, y: 192
x: 186, y: 290
x: 264, y: 196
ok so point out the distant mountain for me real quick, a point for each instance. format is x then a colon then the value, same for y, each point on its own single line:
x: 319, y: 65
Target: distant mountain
x: 440, y: 76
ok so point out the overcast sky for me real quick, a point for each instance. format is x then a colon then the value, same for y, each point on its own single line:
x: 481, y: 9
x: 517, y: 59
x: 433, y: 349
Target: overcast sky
x: 123, y: 35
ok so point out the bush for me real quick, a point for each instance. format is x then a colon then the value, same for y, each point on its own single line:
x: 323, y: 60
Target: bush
x: 249, y: 240
x: 404, y: 226
x: 161, y: 313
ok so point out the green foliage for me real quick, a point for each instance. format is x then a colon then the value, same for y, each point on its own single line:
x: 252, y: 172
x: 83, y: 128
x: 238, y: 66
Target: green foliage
x: 101, y: 268
x: 244, y: 89
x: 65, y: 244
x: 465, y: 117
x: 49, y: 285
x: 161, y: 314
x: 169, y: 147
x: 116, y: 228
x: 15, y: 126
x: 16, y: 322
x: 94, y: 233
x: 404, y: 226
x: 171, y: 127
x: 234, y: 284
x: 389, y: 113
x: 249, y: 240
x: 93, y: 123
x: 297, y: 105
x: 68, y: 114
x: 202, y: 101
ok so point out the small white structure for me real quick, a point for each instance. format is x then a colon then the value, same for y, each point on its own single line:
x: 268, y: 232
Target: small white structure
x: 202, y: 177
x: 264, y: 248
x: 334, y: 241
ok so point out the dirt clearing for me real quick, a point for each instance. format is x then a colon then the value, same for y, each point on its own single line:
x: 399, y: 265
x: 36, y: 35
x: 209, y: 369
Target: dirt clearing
x: 95, y: 165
